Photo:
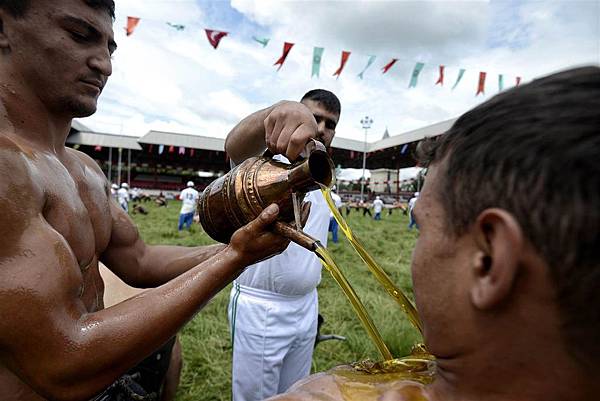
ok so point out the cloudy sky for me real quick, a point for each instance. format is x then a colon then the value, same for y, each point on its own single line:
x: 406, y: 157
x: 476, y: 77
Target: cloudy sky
x: 164, y: 79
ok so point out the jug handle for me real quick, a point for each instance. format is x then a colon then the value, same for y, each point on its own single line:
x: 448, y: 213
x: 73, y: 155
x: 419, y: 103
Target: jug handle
x: 310, y: 146
x: 297, y: 236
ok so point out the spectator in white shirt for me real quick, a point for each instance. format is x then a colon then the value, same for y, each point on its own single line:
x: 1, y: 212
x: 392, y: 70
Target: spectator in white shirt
x: 189, y: 198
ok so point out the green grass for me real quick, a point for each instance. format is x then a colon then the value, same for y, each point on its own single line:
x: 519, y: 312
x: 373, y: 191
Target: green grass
x: 206, y: 339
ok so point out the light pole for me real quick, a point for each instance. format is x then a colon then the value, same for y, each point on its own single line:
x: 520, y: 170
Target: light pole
x: 366, y: 124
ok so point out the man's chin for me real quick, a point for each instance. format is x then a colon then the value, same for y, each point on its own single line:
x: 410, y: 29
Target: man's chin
x: 79, y: 109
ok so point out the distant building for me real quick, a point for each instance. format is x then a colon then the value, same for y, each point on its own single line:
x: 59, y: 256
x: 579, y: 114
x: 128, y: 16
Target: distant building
x: 167, y: 160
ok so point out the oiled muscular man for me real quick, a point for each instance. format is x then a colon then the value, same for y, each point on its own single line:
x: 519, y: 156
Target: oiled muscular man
x: 57, y: 221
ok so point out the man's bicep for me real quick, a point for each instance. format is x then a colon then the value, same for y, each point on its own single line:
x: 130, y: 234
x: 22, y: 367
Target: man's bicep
x: 125, y: 249
x: 40, y: 284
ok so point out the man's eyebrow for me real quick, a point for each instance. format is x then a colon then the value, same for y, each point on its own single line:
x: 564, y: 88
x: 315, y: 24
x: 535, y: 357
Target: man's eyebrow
x: 82, y: 23
x: 317, y: 115
x: 112, y: 45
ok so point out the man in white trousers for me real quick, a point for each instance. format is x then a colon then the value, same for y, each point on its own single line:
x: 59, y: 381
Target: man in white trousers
x: 273, y: 307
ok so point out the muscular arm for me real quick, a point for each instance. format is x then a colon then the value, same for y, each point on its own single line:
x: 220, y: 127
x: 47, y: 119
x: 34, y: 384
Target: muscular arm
x: 283, y: 128
x: 47, y: 337
x: 145, y: 266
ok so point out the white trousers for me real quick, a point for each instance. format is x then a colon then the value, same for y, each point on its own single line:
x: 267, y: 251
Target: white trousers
x: 273, y: 338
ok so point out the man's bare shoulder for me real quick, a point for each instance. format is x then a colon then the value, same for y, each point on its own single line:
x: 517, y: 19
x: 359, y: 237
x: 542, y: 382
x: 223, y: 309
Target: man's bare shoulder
x: 341, y: 384
x: 85, y: 159
x: 18, y: 166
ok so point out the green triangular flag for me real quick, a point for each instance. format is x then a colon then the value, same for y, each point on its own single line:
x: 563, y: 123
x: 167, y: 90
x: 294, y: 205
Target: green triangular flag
x: 316, y: 61
x: 460, y: 75
x: 371, y: 59
x: 415, y: 74
x: 500, y: 82
x: 263, y: 41
x: 178, y: 27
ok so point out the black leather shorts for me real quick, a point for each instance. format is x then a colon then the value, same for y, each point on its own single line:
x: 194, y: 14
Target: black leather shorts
x: 144, y: 381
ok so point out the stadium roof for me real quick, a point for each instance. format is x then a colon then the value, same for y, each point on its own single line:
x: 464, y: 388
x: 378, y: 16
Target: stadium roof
x: 185, y: 140
x: 104, y: 140
x: 411, y: 136
x: 84, y: 136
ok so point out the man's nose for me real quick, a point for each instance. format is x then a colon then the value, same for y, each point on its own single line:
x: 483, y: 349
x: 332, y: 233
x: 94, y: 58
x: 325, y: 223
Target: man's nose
x: 102, y: 63
x: 321, y: 127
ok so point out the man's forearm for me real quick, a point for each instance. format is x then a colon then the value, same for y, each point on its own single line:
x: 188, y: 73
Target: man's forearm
x: 131, y: 330
x: 162, y: 263
x: 247, y: 138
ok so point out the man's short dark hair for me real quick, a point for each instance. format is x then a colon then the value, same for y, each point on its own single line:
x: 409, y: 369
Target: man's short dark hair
x: 534, y: 151
x: 17, y: 8
x: 326, y: 98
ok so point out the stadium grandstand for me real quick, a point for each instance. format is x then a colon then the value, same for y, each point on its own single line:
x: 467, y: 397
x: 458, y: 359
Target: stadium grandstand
x: 165, y: 161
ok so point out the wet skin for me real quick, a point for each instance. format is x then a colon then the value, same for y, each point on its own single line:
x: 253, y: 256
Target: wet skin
x: 57, y: 222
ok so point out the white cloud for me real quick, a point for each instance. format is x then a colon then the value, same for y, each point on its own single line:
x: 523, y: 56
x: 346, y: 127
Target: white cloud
x: 164, y: 79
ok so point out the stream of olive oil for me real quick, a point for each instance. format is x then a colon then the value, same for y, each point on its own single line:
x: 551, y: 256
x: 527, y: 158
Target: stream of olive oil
x: 358, y: 306
x: 377, y: 271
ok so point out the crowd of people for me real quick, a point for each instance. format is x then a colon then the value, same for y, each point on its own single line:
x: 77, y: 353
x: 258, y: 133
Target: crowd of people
x: 505, y: 270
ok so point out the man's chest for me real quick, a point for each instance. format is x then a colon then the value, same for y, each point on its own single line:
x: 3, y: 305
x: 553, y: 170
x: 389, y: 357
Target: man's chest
x: 77, y: 207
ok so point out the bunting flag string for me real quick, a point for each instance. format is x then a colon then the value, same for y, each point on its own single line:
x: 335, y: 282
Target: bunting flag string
x: 316, y: 64
x: 441, y: 78
x: 481, y: 85
x: 415, y: 74
x: 132, y: 22
x: 263, y: 41
x: 460, y: 75
x: 369, y: 62
x: 287, y: 46
x: 214, y: 37
x: 177, y: 27
x: 345, y: 56
x: 389, y: 65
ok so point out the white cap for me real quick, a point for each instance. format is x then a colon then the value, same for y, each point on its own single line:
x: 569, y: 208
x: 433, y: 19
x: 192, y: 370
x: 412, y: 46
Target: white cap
x: 124, y: 185
x: 190, y: 183
x: 416, y: 194
x: 333, y: 188
x: 377, y: 197
x: 114, y: 186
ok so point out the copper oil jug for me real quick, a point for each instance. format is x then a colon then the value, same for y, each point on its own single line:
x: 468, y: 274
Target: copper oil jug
x: 239, y: 196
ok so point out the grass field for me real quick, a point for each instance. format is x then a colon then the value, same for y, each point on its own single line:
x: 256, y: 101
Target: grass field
x: 206, y: 339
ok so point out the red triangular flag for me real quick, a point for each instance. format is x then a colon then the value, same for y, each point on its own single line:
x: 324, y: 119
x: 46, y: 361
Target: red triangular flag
x: 150, y: 148
x: 214, y: 37
x: 389, y: 65
x: 131, y: 24
x: 518, y: 81
x: 171, y: 149
x: 345, y: 56
x: 192, y: 151
x: 286, y: 50
x: 441, y: 78
x: 481, y: 86
x: 98, y: 148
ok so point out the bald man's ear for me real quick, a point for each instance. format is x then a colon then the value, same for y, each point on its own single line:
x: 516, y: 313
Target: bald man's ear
x: 499, y: 240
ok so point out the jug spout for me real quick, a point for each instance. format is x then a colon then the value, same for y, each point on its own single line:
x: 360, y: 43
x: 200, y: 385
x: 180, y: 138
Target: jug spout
x: 316, y: 169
